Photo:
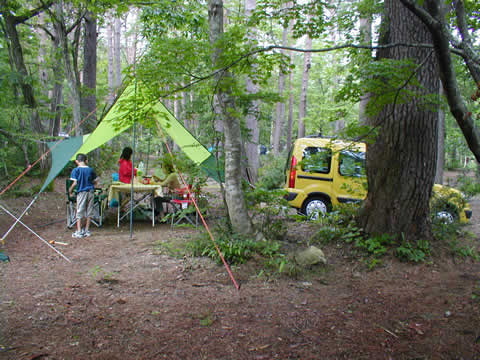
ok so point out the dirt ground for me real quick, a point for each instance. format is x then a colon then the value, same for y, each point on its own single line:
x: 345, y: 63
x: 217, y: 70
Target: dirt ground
x: 123, y: 298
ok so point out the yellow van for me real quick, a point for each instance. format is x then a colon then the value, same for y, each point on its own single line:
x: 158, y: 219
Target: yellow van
x: 322, y: 173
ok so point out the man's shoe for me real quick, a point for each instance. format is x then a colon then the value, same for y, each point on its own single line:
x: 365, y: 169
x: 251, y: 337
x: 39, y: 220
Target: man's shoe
x: 87, y: 233
x: 77, y: 234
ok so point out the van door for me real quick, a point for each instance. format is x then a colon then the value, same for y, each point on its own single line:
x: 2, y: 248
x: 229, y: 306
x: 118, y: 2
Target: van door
x: 350, y: 178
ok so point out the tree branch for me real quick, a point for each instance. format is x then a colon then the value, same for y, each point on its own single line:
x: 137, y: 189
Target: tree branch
x: 440, y: 38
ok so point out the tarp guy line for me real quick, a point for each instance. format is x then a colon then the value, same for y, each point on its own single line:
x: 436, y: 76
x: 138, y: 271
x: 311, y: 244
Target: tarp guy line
x: 34, y: 233
x: 229, y: 271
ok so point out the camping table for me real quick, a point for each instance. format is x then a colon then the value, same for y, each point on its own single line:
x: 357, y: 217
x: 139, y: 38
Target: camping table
x: 147, y: 192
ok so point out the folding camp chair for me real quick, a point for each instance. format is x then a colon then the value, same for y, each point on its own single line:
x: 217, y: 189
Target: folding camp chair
x: 99, y: 204
x: 183, y: 207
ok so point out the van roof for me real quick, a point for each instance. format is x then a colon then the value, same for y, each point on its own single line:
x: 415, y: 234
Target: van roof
x: 333, y: 143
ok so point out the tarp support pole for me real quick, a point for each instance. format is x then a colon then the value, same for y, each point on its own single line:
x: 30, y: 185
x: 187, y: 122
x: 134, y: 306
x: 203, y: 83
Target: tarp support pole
x: 34, y: 233
x: 18, y: 219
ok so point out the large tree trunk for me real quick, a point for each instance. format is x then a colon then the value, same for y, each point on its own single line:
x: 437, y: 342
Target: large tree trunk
x: 401, y: 163
x: 89, y: 98
x: 237, y: 209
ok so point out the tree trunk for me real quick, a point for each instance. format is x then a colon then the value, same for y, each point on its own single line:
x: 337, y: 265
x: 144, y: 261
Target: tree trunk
x: 237, y: 209
x: 401, y: 163
x: 366, y: 39
x: 440, y: 144
x: 117, y: 56
x: 89, y: 98
x: 57, y: 94
x: 307, y: 63
x: 20, y: 67
x: 69, y: 61
x: 280, y: 113
x: 110, y: 71
x: 253, y: 109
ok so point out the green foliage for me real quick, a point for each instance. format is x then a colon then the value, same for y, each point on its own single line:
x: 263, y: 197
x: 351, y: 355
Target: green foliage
x: 468, y: 185
x: 268, y: 211
x: 271, y: 174
x: 235, y: 248
x: 377, y: 245
x: 338, y: 225
x: 413, y: 252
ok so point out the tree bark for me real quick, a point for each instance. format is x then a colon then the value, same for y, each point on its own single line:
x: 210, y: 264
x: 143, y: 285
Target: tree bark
x: 307, y: 63
x: 280, y: 109
x: 16, y: 49
x: 253, y: 109
x: 401, y: 163
x: 69, y: 55
x: 440, y: 144
x: 89, y: 98
x: 110, y: 70
x: 237, y: 209
x: 365, y: 39
x: 117, y: 56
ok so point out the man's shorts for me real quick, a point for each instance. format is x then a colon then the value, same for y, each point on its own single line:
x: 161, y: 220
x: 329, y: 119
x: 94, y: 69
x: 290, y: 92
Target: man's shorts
x: 85, y: 204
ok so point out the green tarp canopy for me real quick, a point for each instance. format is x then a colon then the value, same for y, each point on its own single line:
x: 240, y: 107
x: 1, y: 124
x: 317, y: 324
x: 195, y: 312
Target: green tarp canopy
x: 114, y: 123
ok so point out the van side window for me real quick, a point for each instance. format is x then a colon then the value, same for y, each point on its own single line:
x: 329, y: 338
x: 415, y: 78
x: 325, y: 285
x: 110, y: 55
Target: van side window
x: 316, y: 159
x: 352, y: 163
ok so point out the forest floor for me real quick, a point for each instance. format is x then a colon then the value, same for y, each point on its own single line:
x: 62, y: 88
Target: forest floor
x: 127, y: 298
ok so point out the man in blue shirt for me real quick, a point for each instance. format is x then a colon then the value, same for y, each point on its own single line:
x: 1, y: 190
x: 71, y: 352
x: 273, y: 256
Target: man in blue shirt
x: 85, y: 179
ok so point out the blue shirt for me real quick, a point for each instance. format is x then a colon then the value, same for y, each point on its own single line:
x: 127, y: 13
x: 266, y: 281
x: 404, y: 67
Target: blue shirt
x: 85, y: 176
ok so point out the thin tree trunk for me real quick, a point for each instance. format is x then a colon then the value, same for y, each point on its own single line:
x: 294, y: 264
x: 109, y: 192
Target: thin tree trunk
x: 89, y: 98
x: 57, y: 94
x: 110, y: 70
x: 253, y: 109
x: 366, y: 39
x: 237, y: 209
x: 307, y: 63
x: 69, y: 61
x: 440, y: 144
x: 280, y: 109
x: 117, y: 56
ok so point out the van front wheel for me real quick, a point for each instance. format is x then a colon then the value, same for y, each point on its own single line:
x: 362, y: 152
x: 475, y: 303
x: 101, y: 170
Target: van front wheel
x: 315, y: 206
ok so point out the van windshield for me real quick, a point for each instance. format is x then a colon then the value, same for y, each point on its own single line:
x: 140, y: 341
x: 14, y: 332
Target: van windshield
x: 352, y: 163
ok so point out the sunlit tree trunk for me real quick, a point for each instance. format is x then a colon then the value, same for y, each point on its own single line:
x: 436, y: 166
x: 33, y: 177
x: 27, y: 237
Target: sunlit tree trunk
x: 253, y: 109
x: 307, y: 63
x: 117, y: 56
x: 237, y: 209
x: 440, y: 144
x: 110, y: 70
x: 365, y: 39
x: 280, y: 108
x: 401, y: 163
